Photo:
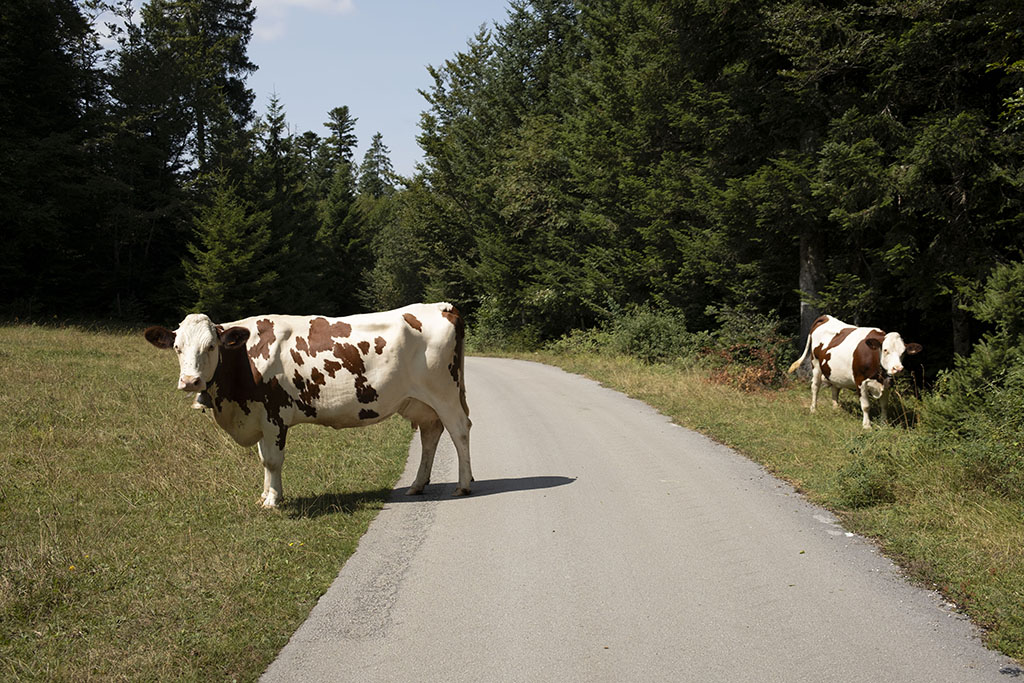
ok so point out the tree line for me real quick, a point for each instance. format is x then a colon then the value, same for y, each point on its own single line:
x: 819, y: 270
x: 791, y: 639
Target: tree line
x: 789, y: 157
x: 139, y: 182
x: 707, y: 159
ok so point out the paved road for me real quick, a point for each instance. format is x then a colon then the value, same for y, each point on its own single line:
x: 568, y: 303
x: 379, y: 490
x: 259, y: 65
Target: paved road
x: 603, y: 543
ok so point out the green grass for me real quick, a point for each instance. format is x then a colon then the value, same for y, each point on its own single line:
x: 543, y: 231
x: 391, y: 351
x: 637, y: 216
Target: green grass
x: 132, y: 544
x: 901, y: 486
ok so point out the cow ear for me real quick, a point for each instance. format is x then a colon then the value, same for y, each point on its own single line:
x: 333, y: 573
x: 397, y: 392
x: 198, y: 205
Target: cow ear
x: 873, y: 343
x: 913, y: 348
x: 234, y: 337
x: 160, y: 337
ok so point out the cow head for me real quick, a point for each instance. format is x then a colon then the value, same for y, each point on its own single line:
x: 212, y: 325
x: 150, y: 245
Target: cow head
x: 892, y: 350
x: 198, y: 342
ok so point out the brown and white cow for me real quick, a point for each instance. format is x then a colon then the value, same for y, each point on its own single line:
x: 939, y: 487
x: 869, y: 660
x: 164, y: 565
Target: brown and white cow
x: 863, y: 359
x: 264, y: 374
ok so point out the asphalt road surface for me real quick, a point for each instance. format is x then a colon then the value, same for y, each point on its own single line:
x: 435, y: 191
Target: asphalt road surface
x: 604, y: 543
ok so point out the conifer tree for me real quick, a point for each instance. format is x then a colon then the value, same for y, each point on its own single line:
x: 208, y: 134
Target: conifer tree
x: 293, y: 224
x: 230, y: 272
x: 342, y: 245
x: 339, y: 146
x: 376, y: 174
x: 53, y: 186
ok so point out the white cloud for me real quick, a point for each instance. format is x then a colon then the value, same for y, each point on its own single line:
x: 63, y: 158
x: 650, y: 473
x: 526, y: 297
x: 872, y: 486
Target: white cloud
x: 272, y: 15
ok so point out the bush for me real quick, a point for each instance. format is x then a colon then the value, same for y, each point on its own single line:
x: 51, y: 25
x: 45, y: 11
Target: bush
x: 594, y: 340
x: 496, y: 326
x: 646, y: 333
x: 654, y: 335
x: 988, y: 437
x: 978, y: 406
x: 867, y: 479
x: 748, y: 349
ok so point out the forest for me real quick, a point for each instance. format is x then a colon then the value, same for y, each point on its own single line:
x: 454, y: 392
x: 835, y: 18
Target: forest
x: 699, y: 160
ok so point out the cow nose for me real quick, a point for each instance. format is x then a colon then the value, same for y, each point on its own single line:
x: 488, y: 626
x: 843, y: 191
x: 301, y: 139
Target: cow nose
x: 896, y: 369
x: 191, y: 383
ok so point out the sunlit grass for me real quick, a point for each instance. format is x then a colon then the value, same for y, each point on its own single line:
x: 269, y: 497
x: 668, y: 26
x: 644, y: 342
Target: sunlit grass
x: 132, y: 544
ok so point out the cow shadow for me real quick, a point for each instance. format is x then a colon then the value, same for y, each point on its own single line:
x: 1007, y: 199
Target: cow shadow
x: 311, y: 507
x: 481, y: 487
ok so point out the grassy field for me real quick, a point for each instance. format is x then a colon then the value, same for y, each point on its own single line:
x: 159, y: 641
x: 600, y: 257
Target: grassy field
x: 132, y: 544
x: 891, y: 484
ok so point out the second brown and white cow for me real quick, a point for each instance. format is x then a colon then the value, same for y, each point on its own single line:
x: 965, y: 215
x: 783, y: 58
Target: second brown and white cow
x: 267, y: 373
x: 863, y: 359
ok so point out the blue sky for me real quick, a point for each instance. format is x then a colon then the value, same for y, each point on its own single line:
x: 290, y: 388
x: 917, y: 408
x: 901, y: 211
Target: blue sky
x: 370, y: 55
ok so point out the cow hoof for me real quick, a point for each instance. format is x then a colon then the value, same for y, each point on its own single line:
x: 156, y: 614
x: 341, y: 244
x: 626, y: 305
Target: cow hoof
x: 461, y: 492
x: 414, y: 491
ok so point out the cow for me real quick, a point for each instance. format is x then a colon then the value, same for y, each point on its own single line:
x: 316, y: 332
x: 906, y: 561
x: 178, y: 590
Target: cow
x: 863, y: 359
x: 264, y: 374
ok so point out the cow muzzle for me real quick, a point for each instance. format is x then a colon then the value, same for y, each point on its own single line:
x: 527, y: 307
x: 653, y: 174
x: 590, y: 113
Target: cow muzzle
x: 191, y: 383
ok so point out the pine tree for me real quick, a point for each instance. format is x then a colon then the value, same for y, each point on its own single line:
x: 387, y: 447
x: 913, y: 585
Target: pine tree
x: 54, y: 188
x: 230, y: 271
x: 342, y: 245
x: 399, y: 256
x: 376, y: 174
x: 283, y: 194
x: 339, y: 146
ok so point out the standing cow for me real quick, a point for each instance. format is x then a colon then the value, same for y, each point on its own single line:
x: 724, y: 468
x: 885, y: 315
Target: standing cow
x: 267, y: 373
x: 863, y: 359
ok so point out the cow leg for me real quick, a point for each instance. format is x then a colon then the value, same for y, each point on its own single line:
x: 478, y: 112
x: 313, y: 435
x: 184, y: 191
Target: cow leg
x: 815, y: 385
x: 458, y: 424
x: 271, y: 449
x: 835, y: 396
x: 865, y: 404
x: 430, y: 434
x: 883, y: 402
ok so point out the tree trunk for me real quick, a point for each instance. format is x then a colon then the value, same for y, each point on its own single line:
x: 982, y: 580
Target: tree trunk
x: 961, y: 329
x: 812, y: 277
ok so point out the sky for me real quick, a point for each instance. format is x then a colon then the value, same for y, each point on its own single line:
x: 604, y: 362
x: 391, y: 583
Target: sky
x: 370, y: 55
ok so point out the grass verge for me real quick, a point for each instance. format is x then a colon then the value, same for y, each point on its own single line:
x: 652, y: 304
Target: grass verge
x: 907, y: 490
x: 132, y: 544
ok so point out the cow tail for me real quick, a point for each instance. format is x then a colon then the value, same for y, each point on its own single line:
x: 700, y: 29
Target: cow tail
x: 458, y: 366
x: 800, y: 360
x: 460, y: 350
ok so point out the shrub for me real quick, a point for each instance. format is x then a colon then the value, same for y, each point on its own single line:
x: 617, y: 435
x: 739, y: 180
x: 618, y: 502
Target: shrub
x: 654, y: 335
x: 651, y: 335
x: 862, y: 483
x: 988, y: 438
x: 978, y: 406
x: 496, y: 326
x: 747, y: 350
x: 868, y: 478
x: 593, y: 340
